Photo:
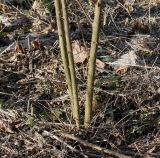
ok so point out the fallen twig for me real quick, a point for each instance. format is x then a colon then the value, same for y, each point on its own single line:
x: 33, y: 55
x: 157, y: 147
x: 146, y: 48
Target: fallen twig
x: 131, y: 65
x: 46, y: 133
x: 95, y: 147
x: 7, y: 113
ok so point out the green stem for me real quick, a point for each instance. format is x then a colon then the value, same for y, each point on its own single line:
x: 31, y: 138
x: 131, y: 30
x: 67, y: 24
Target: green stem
x: 76, y: 112
x: 62, y: 43
x: 92, y: 64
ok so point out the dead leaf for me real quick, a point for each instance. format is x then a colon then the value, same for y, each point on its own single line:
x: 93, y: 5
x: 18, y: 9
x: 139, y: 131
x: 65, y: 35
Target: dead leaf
x: 121, y: 65
x: 5, y: 20
x: 4, y: 127
x: 52, y: 27
x: 129, y: 5
x: 19, y: 48
x: 144, y: 43
x: 36, y: 44
x: 4, y: 8
x: 95, y: 105
x: 39, y: 138
x: 40, y: 8
x: 101, y: 65
x: 37, y: 25
x: 80, y: 53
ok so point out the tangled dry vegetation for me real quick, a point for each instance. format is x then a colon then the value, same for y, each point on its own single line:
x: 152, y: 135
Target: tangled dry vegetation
x: 35, y: 110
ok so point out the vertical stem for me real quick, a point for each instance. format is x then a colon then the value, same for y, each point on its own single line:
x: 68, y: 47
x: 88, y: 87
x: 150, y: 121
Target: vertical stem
x: 76, y: 112
x: 62, y: 42
x: 92, y: 63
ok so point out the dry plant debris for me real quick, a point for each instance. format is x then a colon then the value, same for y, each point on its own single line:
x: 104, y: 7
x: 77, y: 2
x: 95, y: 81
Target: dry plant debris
x: 126, y: 60
x: 34, y: 101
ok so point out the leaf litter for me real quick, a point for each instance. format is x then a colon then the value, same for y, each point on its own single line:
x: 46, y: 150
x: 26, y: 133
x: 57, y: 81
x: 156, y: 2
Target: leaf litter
x: 33, y: 86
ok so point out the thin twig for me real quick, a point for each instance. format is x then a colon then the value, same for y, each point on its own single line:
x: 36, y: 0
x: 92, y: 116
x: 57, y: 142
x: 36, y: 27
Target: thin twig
x: 6, y: 113
x: 88, y: 19
x: 139, y: 66
x: 7, y: 94
x: 14, y: 72
x: 46, y: 133
x: 7, y: 49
